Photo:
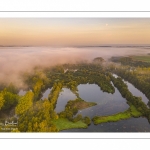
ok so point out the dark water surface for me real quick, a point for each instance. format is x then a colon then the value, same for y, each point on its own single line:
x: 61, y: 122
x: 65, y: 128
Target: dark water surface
x: 107, y: 103
x: 46, y: 93
x: 63, y: 98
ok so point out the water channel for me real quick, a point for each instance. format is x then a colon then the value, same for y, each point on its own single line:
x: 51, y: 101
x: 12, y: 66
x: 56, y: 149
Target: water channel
x: 107, y: 104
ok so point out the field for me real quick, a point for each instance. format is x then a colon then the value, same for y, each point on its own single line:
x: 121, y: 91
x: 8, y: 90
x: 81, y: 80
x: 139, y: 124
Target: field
x: 63, y: 123
x: 144, y: 58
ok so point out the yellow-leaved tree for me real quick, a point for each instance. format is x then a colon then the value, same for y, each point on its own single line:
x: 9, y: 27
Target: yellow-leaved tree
x: 24, y: 103
x: 1, y: 100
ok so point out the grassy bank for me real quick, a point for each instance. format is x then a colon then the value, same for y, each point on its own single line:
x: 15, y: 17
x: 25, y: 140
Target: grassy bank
x: 131, y: 112
x: 63, y: 124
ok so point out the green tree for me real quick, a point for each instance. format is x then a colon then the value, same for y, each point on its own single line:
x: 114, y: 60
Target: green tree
x: 87, y: 120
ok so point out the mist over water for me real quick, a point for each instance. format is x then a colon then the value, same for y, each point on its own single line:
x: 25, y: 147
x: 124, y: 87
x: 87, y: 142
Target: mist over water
x: 16, y: 60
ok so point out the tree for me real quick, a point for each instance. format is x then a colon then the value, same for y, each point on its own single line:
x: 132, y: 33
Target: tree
x: 87, y: 120
x: 1, y: 100
x: 25, y: 103
x: 8, y: 99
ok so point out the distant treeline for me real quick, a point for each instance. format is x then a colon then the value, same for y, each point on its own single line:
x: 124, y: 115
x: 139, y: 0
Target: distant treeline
x: 130, y: 61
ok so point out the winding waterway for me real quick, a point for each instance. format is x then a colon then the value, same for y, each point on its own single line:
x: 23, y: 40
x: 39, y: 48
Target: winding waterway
x: 110, y: 107
x: 107, y: 104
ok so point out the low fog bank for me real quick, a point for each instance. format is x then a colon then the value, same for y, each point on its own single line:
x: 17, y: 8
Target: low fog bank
x: 14, y: 61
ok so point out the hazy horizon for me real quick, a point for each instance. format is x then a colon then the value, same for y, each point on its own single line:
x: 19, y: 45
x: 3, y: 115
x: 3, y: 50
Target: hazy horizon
x: 106, y: 45
x: 29, y: 42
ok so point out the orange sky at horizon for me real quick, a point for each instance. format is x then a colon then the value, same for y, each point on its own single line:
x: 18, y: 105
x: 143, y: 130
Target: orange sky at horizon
x: 73, y: 31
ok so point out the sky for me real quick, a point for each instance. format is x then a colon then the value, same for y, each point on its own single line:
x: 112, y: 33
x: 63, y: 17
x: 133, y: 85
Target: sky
x: 73, y: 31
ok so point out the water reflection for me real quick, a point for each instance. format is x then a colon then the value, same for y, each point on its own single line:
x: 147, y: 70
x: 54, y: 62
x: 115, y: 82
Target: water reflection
x: 63, y: 98
x: 107, y: 104
x: 46, y: 93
